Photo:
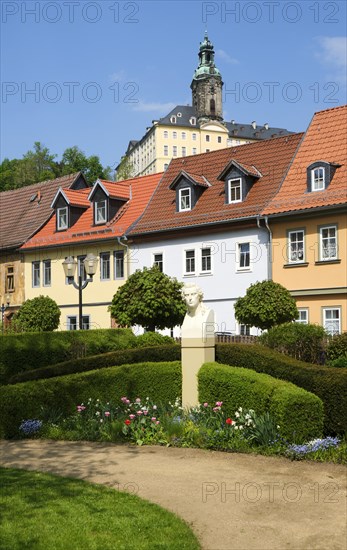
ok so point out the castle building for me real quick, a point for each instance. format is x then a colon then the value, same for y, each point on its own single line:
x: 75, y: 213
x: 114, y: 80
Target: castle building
x: 192, y: 129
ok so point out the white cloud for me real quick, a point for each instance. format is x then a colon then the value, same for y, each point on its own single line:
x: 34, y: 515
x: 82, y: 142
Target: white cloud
x: 332, y: 53
x: 119, y: 76
x: 224, y: 56
x: 160, y: 108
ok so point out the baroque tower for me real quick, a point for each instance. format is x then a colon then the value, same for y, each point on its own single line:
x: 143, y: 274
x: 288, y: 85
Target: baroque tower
x: 207, y: 85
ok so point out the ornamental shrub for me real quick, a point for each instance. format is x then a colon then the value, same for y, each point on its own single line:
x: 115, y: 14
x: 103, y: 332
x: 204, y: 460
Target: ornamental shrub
x: 153, y: 339
x: 303, y: 342
x: 328, y: 383
x: 110, y: 359
x: 158, y: 381
x: 22, y: 352
x: 337, y: 347
x: 40, y: 314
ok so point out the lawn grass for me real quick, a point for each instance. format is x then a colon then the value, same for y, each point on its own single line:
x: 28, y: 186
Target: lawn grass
x: 47, y: 512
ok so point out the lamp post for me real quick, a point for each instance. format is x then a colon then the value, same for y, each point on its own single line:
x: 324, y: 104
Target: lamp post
x: 90, y: 265
x: 3, y: 309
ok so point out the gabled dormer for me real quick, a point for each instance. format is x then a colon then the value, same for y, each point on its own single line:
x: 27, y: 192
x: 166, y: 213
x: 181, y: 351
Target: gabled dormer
x: 107, y: 197
x: 319, y: 175
x: 189, y: 188
x: 238, y: 180
x: 69, y: 205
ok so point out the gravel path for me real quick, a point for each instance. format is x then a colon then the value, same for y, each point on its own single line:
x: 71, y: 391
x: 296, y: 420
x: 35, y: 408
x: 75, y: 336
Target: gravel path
x: 231, y: 501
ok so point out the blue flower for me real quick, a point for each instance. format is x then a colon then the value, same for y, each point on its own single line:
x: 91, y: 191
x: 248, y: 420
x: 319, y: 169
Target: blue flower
x: 29, y: 427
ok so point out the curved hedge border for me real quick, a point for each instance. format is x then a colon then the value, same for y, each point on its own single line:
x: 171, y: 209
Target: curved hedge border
x: 23, y: 352
x: 328, y: 383
x: 298, y: 412
x: 158, y: 381
x: 111, y: 359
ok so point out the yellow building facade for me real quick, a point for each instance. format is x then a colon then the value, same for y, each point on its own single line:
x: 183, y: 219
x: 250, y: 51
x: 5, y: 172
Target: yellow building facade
x: 318, y: 285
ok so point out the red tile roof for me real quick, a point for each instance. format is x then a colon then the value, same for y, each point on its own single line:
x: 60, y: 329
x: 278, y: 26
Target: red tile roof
x: 83, y: 230
x: 77, y: 198
x: 24, y: 210
x: 324, y: 140
x: 271, y: 157
x: 118, y: 189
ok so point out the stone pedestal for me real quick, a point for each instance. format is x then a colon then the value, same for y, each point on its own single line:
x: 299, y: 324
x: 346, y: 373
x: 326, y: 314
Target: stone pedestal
x: 195, y: 352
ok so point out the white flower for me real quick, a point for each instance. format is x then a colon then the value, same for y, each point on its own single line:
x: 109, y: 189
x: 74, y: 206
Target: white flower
x: 247, y: 416
x: 237, y: 415
x: 101, y: 420
x: 155, y: 407
x: 236, y: 427
x: 240, y: 409
x: 97, y: 413
x: 241, y: 428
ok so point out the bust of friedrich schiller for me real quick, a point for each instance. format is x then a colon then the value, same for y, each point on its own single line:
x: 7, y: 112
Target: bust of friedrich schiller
x: 199, y: 320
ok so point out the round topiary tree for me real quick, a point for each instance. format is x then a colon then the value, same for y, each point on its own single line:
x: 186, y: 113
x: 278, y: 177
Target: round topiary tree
x: 149, y: 298
x: 40, y: 314
x: 265, y: 305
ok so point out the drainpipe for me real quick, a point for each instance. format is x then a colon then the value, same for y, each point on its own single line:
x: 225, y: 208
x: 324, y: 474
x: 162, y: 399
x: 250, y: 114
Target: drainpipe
x: 269, y: 262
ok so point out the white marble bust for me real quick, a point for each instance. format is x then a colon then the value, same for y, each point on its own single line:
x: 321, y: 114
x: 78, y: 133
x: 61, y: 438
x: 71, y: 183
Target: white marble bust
x: 199, y: 320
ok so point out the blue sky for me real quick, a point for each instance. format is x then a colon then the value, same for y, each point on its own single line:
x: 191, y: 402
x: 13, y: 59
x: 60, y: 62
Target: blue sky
x: 102, y: 71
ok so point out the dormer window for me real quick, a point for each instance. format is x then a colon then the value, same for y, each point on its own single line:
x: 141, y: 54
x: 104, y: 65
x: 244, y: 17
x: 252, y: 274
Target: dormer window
x: 234, y: 188
x: 62, y: 218
x: 173, y: 120
x: 318, y: 179
x: 192, y: 121
x: 185, y: 199
x: 100, y: 211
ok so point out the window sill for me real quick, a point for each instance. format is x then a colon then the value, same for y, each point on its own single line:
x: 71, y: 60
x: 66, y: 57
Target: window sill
x: 205, y: 274
x: 301, y: 264
x: 329, y: 262
x: 244, y: 270
x: 189, y: 275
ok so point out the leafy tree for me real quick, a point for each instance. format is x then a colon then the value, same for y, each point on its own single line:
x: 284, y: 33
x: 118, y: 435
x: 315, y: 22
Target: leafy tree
x: 40, y: 314
x: 149, y: 298
x: 265, y: 305
x: 74, y: 160
x: 126, y: 169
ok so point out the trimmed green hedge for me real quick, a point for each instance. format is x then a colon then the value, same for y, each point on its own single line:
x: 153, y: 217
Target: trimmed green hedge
x: 22, y: 352
x: 111, y: 359
x: 328, y: 383
x: 298, y: 412
x: 158, y: 381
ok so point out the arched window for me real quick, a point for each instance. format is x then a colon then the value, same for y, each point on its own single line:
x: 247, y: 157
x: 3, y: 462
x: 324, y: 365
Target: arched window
x: 212, y: 106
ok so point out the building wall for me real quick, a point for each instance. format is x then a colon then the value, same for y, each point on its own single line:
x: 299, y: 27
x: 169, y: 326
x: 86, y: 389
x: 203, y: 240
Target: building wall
x: 148, y: 157
x: 314, y: 276
x: 11, y: 260
x: 96, y: 297
x: 226, y: 282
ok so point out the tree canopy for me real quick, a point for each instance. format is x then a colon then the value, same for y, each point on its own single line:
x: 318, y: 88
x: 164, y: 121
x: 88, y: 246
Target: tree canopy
x: 149, y: 298
x: 40, y: 314
x: 39, y: 164
x: 265, y: 305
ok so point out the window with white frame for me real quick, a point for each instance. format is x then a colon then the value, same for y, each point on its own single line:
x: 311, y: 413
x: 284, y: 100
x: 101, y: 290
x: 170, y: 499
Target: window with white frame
x: 207, y: 137
x: 174, y: 151
x: 9, y: 278
x: 47, y: 273
x: 166, y: 166
x: 105, y: 268
x: 173, y: 119
x: 332, y: 320
x: 328, y: 243
x: 72, y: 322
x: 194, y: 136
x: 100, y: 214
x: 184, y: 151
x: 219, y: 139
x: 166, y: 134
x: 190, y: 261
x: 62, y: 218
x: 185, y: 199
x: 119, y: 264
x: 174, y: 135
x: 244, y: 259
x: 206, y: 264
x: 158, y: 261
x: 245, y: 330
x: 192, y: 121
x: 36, y: 279
x: 80, y: 267
x: 184, y: 135
x: 235, y: 190
x: 194, y: 150
x: 303, y: 316
x: 318, y: 178
x: 296, y: 248
x: 166, y: 150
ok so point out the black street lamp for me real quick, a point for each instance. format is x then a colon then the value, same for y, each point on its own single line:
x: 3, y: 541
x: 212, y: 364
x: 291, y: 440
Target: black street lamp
x: 90, y: 265
x: 3, y: 309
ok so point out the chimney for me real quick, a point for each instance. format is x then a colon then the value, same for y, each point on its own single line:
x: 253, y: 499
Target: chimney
x: 254, y: 124
x: 266, y: 125
x: 233, y: 122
